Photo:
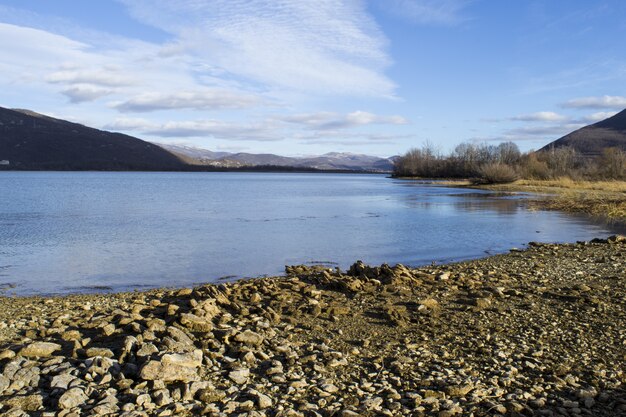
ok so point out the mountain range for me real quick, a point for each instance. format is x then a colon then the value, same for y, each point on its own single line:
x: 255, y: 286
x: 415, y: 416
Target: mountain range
x: 329, y: 161
x: 32, y: 141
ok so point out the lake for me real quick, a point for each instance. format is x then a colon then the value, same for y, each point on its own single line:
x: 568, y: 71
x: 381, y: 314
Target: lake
x: 70, y: 232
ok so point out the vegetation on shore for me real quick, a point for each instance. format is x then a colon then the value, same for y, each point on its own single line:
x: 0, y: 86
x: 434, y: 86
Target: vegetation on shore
x: 504, y: 163
x: 597, y: 198
x: 560, y: 178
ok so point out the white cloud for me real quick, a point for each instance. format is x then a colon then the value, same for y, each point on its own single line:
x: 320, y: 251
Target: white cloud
x: 542, y: 116
x: 603, y: 102
x: 81, y: 93
x: 216, y: 129
x: 446, y: 12
x: 329, y: 120
x: 107, y: 76
x: 325, y: 47
x: 599, y: 116
x: 532, y: 131
x: 208, y: 99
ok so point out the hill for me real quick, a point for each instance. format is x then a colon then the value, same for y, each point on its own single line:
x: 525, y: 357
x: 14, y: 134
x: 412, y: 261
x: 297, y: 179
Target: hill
x: 30, y: 140
x: 593, y: 139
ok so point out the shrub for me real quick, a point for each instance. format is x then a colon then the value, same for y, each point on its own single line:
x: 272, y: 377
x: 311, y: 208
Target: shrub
x: 497, y: 173
x: 533, y: 168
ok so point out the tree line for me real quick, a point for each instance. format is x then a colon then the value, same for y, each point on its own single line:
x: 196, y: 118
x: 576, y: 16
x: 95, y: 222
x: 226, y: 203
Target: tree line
x: 506, y: 163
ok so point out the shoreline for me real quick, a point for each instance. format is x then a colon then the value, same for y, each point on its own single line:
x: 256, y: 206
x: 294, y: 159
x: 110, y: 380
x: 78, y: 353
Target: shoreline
x: 605, y: 200
x: 529, y: 332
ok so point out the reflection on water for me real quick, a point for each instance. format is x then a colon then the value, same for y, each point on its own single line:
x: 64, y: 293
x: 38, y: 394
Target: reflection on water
x: 90, y: 232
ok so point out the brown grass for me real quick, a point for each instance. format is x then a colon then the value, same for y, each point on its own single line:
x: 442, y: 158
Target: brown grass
x: 598, y: 198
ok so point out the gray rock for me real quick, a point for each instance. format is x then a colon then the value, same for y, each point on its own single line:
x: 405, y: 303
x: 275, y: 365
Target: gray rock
x: 239, y: 376
x: 71, y: 398
x: 61, y: 381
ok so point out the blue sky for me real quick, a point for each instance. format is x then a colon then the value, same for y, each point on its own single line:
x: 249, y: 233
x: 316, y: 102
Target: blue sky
x: 303, y: 77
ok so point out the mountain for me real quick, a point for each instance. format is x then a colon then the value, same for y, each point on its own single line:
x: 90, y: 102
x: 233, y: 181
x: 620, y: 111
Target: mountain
x: 592, y: 140
x: 329, y: 161
x: 30, y: 140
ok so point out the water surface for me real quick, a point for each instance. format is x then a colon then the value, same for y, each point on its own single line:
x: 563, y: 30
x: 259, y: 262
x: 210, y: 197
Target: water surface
x: 88, y: 231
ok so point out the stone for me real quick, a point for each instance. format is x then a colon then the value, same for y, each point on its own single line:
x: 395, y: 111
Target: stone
x: 39, y: 349
x: 157, y: 371
x: 429, y: 303
x: 459, y: 390
x: 329, y: 388
x: 210, y: 396
x: 196, y: 323
x: 32, y: 402
x: 72, y: 398
x: 109, y: 329
x: 249, y: 337
x: 7, y: 354
x: 191, y: 360
x: 239, y: 376
x: 96, y: 351
x: 61, y: 381
x: 263, y: 401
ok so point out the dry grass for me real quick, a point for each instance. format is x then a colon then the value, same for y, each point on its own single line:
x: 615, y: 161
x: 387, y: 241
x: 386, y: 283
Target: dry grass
x: 598, y: 198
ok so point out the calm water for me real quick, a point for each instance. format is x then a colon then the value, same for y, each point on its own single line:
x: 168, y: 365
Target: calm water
x: 77, y: 232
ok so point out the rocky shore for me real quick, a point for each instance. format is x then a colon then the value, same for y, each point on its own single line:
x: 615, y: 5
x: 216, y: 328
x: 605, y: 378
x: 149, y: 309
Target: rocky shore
x: 535, y: 332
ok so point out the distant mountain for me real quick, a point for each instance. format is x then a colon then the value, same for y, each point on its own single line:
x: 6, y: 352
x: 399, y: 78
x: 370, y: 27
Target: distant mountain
x: 30, y: 140
x: 329, y: 161
x: 593, y: 139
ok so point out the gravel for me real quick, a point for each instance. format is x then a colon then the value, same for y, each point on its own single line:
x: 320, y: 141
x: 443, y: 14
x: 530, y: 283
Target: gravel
x: 536, y: 332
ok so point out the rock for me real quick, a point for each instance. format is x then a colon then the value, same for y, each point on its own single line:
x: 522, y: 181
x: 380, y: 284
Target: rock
x: 109, y: 329
x: 61, y: 381
x: 348, y: 413
x: 158, y: 371
x: 147, y: 349
x: 459, y: 390
x: 71, y: 335
x: 196, y: 323
x: 211, y: 396
x: 263, y: 401
x: 429, y: 303
x: 71, y: 398
x: 32, y: 402
x: 96, y: 351
x: 190, y: 360
x: 329, y: 388
x: 249, y: 338
x: 239, y: 376
x: 7, y: 354
x: 39, y: 349
x: 481, y: 303
x: 4, y: 383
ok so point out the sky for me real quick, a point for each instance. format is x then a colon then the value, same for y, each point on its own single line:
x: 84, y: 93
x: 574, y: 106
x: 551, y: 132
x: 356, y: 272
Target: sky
x: 307, y: 77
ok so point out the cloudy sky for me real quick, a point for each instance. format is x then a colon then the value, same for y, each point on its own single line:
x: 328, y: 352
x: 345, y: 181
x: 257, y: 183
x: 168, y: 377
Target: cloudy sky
x: 303, y: 77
